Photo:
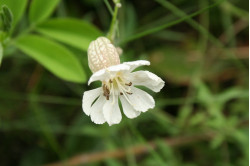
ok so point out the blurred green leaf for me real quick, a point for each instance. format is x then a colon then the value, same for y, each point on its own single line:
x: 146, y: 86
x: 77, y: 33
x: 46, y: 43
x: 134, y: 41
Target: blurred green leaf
x: 183, y: 115
x: 127, y: 22
x: 197, y: 118
x: 167, y: 153
x: 52, y: 56
x: 1, y: 54
x: 170, y: 35
x: 5, y: 24
x: 6, y: 18
x: 204, y: 94
x: 113, y: 162
x: 173, y: 64
x: 166, y: 25
x: 241, y: 136
x: 232, y: 93
x: 33, y: 157
x: 76, y: 33
x: 93, y: 131
x: 41, y: 9
x: 17, y: 8
x: 217, y: 141
x: 7, y: 13
x: 178, y: 12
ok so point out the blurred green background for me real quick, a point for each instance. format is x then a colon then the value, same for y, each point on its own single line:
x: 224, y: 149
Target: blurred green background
x: 201, y: 115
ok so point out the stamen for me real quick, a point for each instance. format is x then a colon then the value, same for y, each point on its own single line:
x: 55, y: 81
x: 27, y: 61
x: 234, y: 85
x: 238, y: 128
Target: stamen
x: 122, y: 82
x: 119, y: 85
x: 106, y: 91
x: 129, y: 84
x: 121, y: 93
x: 113, y: 93
x: 122, y: 89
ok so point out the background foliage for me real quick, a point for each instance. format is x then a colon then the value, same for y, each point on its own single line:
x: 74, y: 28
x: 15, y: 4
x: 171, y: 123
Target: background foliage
x: 200, y: 117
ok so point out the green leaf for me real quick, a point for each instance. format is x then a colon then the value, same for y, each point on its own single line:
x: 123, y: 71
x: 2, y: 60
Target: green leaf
x: 17, y: 8
x: 41, y: 9
x: 4, y: 22
x: 7, y: 13
x: 217, y: 141
x: 231, y: 94
x: 198, y: 118
x: 7, y: 18
x: 173, y: 63
x: 76, y: 33
x: 204, y: 95
x: 52, y: 56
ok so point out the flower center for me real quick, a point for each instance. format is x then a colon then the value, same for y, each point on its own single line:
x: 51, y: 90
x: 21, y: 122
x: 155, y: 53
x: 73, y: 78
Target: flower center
x: 116, y: 86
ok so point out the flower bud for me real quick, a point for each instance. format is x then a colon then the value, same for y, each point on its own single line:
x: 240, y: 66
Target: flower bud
x: 102, y: 54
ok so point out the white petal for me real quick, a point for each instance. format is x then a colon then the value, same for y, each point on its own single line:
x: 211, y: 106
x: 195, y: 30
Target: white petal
x: 96, y: 112
x: 134, y: 64
x: 141, y: 100
x: 128, y: 110
x: 147, y: 79
x: 99, y: 75
x: 111, y: 111
x: 120, y: 67
x: 108, y: 73
x: 88, y: 98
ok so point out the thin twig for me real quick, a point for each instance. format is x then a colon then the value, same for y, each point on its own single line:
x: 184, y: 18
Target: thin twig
x: 136, y: 150
x: 139, y: 149
x: 238, y: 26
x: 35, y: 77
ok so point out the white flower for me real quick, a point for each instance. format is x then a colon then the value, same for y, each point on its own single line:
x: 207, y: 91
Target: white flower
x: 118, y: 81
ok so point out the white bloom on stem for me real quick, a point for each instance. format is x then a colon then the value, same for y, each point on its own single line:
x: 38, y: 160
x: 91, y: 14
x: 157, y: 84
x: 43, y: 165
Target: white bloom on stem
x: 118, y: 82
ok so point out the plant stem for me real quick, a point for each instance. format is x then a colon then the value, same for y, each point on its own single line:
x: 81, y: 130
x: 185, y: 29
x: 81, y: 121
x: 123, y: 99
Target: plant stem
x: 161, y: 27
x: 109, y: 7
x: 111, y: 33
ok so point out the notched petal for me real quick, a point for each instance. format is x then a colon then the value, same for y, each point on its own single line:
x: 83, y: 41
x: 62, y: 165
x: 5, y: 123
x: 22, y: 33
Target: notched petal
x: 140, y: 100
x: 108, y: 73
x: 88, y: 98
x: 128, y: 109
x: 96, y: 112
x: 112, y: 112
x: 147, y: 79
x: 134, y: 64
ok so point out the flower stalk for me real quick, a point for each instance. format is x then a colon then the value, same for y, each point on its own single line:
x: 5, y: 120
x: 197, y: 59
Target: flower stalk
x: 113, y: 25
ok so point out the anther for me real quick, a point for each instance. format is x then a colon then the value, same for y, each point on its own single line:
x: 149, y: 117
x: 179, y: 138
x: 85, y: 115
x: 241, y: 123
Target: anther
x: 129, y: 93
x: 110, y: 81
x: 121, y: 93
x: 129, y: 84
x: 106, y: 91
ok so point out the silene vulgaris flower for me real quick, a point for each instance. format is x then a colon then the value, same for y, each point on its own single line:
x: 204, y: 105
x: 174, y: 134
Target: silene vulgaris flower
x: 118, y: 83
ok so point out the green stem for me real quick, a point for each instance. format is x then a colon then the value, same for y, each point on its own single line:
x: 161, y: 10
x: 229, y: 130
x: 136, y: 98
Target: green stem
x: 111, y: 33
x: 161, y: 27
x: 109, y: 7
